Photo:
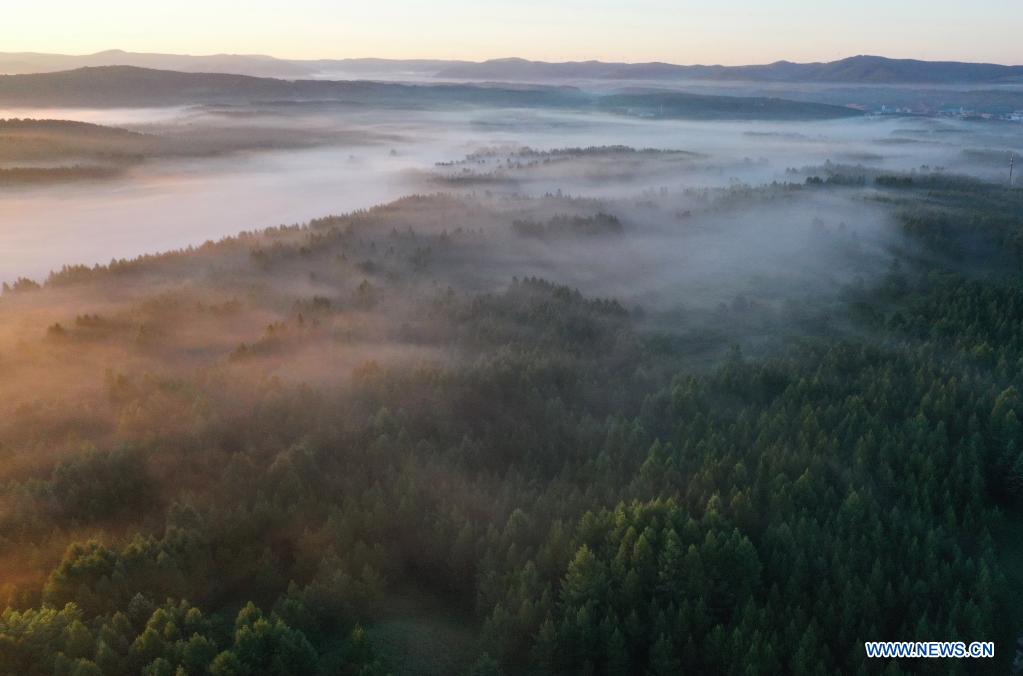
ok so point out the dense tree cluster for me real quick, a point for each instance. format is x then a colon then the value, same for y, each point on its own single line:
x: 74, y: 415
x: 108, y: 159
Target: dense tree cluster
x: 564, y: 476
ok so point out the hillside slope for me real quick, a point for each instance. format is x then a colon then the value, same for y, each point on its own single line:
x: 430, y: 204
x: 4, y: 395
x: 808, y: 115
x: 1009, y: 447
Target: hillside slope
x: 130, y: 86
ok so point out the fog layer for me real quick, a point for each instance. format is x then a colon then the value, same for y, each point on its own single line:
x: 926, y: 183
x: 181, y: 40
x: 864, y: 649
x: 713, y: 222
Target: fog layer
x: 310, y: 160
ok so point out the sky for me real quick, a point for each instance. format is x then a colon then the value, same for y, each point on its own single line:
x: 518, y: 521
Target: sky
x: 729, y: 32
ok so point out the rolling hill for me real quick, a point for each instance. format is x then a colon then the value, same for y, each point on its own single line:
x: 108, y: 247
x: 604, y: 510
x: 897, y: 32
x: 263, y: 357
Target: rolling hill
x: 856, y: 69
x: 853, y: 70
x: 130, y: 86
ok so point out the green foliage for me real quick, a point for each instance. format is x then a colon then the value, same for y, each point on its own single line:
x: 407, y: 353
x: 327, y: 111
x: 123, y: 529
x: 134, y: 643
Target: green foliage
x: 485, y: 665
x: 568, y: 483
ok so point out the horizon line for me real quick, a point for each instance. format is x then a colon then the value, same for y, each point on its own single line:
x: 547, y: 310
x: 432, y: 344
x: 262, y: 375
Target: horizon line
x: 262, y: 55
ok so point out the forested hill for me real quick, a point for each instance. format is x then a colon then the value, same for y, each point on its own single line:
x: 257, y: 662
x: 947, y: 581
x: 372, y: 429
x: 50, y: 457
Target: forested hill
x: 237, y: 459
x: 131, y: 86
x: 862, y: 69
x: 853, y: 70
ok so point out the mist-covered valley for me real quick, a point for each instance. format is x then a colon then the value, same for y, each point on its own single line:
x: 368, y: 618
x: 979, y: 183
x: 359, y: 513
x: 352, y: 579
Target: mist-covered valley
x: 428, y: 386
x: 194, y: 173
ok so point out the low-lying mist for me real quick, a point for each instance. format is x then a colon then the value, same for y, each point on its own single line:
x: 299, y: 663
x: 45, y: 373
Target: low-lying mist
x: 547, y: 382
x: 218, y: 170
x: 723, y: 233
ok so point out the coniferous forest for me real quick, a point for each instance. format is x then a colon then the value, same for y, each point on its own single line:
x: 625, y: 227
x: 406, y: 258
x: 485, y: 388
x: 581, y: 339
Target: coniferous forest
x: 452, y: 434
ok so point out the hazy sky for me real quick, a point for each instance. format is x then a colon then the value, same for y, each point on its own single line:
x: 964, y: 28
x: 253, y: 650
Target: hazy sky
x: 679, y: 31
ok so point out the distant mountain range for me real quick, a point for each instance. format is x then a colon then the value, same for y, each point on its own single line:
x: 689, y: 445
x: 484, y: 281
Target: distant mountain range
x: 13, y: 63
x: 112, y: 86
x: 853, y: 70
x: 266, y: 66
x: 856, y: 69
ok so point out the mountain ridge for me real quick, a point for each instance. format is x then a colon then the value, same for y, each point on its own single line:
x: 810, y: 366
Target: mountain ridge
x: 113, y: 86
x: 866, y: 69
x: 863, y: 68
